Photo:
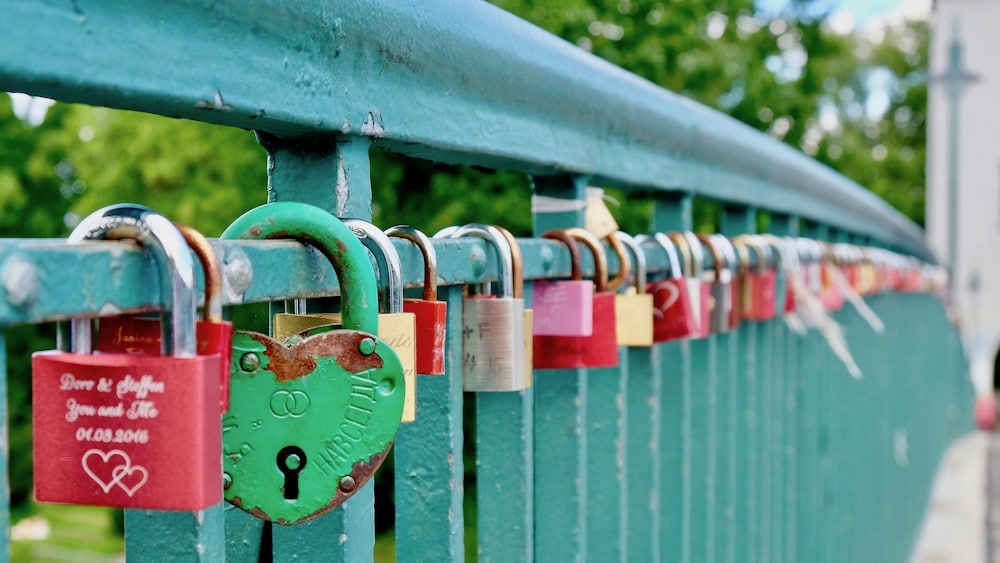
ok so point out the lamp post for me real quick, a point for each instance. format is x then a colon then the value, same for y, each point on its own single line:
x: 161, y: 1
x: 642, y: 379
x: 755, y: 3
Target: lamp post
x: 955, y: 79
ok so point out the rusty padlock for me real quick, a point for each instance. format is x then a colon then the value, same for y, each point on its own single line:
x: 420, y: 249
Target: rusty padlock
x: 124, y: 429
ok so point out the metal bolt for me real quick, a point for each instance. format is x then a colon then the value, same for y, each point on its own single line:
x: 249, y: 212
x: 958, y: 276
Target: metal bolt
x: 249, y: 362
x: 347, y: 484
x: 227, y: 481
x: 237, y: 275
x: 20, y: 282
x: 367, y: 346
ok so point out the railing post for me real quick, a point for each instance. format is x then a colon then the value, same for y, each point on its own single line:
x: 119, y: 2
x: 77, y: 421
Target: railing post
x: 682, y: 433
x: 741, y: 422
x: 561, y: 402
x: 334, y: 175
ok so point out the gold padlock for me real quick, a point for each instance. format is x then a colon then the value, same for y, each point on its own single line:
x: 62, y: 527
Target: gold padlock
x: 634, y: 308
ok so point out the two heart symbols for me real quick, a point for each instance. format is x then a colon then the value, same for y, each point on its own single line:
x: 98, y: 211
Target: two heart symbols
x: 112, y: 468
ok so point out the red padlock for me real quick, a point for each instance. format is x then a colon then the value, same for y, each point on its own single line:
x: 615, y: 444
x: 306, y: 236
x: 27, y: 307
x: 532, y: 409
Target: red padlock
x: 132, y: 334
x: 831, y: 294
x: 673, y: 314
x: 759, y: 285
x: 600, y: 349
x: 699, y: 289
x: 130, y: 430
x: 431, y: 314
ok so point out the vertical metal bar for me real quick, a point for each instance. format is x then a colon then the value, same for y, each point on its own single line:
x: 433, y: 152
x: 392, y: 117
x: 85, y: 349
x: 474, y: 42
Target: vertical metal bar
x: 740, y: 422
x: 643, y: 455
x: 429, y: 467
x: 5, y: 454
x: 676, y: 520
x: 821, y: 365
x: 786, y: 225
x: 560, y: 419
x: 605, y: 464
x: 336, y: 177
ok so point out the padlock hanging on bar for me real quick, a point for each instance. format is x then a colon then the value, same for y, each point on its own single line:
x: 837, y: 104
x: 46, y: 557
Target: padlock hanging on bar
x: 124, y: 429
x: 517, y: 259
x: 673, y: 315
x: 699, y: 290
x: 564, y: 307
x: 759, y: 284
x: 600, y: 349
x: 493, y: 325
x: 313, y: 417
x: 431, y: 314
x: 634, y: 307
x: 142, y: 334
x: 721, y: 306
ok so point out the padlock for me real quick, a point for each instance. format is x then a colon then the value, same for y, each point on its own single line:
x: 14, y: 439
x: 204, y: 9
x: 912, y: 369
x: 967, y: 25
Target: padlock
x: 493, y: 326
x: 564, y: 307
x: 395, y: 326
x: 529, y: 314
x: 130, y: 430
x: 721, y: 286
x: 312, y: 420
x: 431, y: 314
x: 634, y: 307
x: 830, y: 294
x: 759, y: 284
x: 698, y: 293
x: 141, y: 334
x: 673, y: 315
x: 789, y: 263
x: 600, y: 349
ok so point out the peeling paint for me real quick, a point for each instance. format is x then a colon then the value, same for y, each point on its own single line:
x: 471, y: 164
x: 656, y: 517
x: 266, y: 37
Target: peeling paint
x: 373, y: 126
x: 343, y: 188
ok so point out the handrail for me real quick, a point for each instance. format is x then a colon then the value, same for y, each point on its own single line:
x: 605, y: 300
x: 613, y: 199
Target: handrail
x: 423, y: 79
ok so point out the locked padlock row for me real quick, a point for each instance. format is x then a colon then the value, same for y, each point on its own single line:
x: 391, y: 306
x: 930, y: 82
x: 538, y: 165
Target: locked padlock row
x: 310, y: 411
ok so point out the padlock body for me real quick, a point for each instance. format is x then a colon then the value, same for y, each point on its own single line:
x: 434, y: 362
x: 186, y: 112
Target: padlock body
x: 831, y: 295
x: 126, y: 430
x: 529, y: 346
x: 673, y: 315
x: 431, y: 320
x: 722, y: 307
x: 634, y: 318
x: 759, y: 295
x: 396, y: 329
x: 600, y: 349
x: 493, y: 344
x: 336, y: 397
x: 707, y: 304
x: 563, y: 308
x: 143, y: 335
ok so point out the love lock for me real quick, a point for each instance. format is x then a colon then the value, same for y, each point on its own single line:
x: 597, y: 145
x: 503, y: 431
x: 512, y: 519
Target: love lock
x: 310, y: 422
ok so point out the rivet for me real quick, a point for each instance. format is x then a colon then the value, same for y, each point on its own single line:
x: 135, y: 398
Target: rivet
x: 249, y: 362
x: 367, y: 346
x: 227, y: 481
x: 20, y: 282
x: 347, y: 484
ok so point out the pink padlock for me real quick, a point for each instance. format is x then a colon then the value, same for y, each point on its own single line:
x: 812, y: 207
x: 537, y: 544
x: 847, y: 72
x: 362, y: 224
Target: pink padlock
x: 564, y: 307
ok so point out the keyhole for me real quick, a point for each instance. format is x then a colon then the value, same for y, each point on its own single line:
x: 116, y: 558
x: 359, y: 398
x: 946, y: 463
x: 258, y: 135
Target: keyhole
x: 291, y: 460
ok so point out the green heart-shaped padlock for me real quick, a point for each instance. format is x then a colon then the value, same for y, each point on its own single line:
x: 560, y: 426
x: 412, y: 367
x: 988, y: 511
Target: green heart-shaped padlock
x: 309, y: 423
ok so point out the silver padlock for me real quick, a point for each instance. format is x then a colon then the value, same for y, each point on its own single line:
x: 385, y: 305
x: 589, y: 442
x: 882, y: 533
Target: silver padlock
x: 493, y: 326
x: 722, y: 282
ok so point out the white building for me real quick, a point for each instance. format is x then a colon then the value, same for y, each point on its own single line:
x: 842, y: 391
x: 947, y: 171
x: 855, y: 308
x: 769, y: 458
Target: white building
x: 964, y: 121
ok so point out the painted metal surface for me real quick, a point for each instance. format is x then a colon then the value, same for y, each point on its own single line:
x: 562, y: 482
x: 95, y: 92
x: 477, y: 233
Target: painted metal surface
x: 374, y: 69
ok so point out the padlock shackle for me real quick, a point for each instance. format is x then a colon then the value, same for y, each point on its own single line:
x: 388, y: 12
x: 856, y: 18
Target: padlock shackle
x: 212, y: 269
x: 517, y: 261
x: 426, y: 248
x: 684, y: 249
x: 390, y: 272
x: 623, y: 266
x: 697, y: 253
x: 742, y: 242
x: 672, y: 259
x: 491, y: 235
x: 576, y: 272
x: 717, y: 258
x: 600, y: 259
x: 314, y: 226
x: 155, y: 233
x: 732, y: 259
x: 638, y: 256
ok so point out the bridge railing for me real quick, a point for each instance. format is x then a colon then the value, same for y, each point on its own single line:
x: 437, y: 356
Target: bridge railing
x: 750, y: 446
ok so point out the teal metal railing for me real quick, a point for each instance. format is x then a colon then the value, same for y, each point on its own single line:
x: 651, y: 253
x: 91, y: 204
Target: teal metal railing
x: 750, y: 446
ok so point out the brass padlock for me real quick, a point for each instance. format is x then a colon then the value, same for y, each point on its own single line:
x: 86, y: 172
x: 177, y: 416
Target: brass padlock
x: 634, y: 307
x: 493, y: 326
x: 395, y: 327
